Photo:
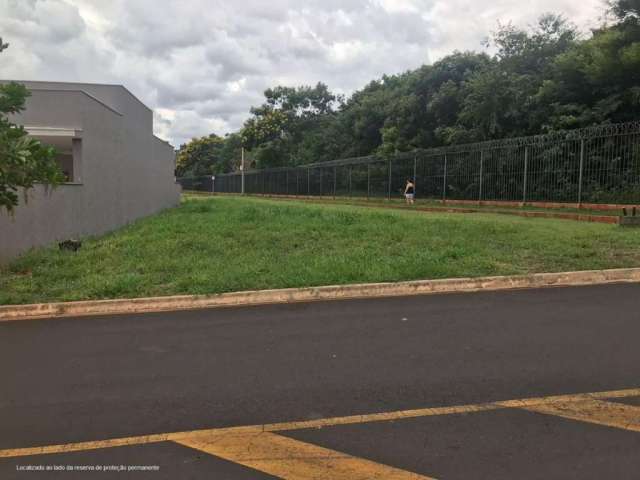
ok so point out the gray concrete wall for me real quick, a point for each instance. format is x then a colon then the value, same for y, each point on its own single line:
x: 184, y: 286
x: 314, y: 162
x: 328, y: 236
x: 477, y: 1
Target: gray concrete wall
x: 127, y: 172
x: 115, y: 96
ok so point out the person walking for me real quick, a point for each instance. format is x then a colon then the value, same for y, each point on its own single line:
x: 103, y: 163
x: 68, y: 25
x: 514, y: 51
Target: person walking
x: 409, y: 191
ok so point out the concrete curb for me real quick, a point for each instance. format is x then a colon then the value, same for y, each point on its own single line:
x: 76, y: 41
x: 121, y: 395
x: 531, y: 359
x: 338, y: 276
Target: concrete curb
x: 309, y: 294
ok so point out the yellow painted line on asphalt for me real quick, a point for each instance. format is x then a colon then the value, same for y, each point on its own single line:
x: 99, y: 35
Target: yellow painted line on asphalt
x: 119, y: 442
x: 577, y: 397
x: 527, y: 403
x: 287, y: 458
x: 82, y: 446
x: 380, y: 417
x: 610, y: 414
x: 461, y: 409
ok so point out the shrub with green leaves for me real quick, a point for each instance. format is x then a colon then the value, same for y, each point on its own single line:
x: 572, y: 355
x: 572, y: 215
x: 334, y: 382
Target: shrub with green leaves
x: 23, y: 160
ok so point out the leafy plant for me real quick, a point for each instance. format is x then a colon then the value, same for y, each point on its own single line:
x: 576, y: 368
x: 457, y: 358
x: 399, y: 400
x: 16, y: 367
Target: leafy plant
x: 23, y: 160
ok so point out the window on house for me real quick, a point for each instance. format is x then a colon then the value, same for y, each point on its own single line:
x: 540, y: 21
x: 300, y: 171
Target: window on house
x: 68, y: 148
x: 65, y: 162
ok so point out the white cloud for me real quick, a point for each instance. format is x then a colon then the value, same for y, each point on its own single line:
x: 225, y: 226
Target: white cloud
x: 201, y: 64
x: 393, y: 6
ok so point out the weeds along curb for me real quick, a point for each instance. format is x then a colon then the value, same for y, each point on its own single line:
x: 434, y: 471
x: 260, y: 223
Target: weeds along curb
x: 310, y: 294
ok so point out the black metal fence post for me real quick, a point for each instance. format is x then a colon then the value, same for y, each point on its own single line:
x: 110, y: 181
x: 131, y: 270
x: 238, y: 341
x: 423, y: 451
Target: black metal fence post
x: 526, y: 168
x: 389, y: 185
x: 444, y: 180
x: 415, y: 173
x: 481, y: 172
x: 581, y: 173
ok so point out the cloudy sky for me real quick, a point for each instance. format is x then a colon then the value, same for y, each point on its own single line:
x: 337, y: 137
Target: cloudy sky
x: 201, y: 64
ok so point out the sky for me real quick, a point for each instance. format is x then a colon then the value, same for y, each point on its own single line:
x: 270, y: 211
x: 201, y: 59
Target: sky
x: 201, y: 64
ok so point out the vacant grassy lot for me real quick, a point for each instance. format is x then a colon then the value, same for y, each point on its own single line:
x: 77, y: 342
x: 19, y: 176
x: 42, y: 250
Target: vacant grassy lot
x: 421, y: 202
x: 223, y: 244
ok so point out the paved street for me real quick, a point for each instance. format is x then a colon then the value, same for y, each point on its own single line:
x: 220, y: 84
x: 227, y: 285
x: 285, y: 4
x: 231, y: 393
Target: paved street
x: 522, y: 384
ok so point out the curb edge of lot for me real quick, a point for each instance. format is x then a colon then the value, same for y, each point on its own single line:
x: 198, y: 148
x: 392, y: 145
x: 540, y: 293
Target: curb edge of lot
x: 310, y: 294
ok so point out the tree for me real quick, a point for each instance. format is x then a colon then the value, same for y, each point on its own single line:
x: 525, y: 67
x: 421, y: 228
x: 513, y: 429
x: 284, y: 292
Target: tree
x: 502, y: 99
x: 23, y: 160
x: 625, y: 9
x: 231, y: 153
x: 495, y: 104
x: 289, y: 118
x: 202, y: 156
x: 598, y: 80
x: 532, y: 51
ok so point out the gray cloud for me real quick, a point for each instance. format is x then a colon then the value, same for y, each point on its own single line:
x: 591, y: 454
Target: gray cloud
x: 201, y: 64
x: 43, y: 21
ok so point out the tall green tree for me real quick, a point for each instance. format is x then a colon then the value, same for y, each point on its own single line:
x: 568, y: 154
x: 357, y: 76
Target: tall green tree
x: 501, y: 100
x: 290, y: 124
x: 23, y: 160
x: 625, y: 9
x: 202, y: 156
x: 598, y: 80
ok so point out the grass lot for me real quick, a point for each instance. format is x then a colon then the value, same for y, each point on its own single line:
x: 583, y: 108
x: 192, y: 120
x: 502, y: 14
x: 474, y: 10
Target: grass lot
x: 429, y: 203
x: 485, y: 208
x: 222, y: 244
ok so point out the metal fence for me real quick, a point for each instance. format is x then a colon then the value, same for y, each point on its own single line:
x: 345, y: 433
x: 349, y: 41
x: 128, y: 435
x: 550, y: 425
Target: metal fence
x: 593, y: 165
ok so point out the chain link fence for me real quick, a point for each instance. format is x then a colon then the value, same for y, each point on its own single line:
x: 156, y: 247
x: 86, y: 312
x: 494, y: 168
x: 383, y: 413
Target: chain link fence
x: 593, y: 165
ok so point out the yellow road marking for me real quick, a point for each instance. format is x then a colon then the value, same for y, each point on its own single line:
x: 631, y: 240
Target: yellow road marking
x: 527, y: 403
x: 82, y: 446
x: 287, y: 458
x: 119, y: 442
x: 596, y: 411
x: 380, y: 417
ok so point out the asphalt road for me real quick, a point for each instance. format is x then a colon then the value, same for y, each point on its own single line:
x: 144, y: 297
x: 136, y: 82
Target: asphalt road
x: 73, y: 380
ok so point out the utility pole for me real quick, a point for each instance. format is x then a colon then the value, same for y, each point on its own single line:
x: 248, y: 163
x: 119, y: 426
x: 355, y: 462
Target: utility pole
x: 242, y: 168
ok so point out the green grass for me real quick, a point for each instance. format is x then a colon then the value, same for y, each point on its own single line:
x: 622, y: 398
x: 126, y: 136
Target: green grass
x: 222, y: 244
x: 430, y: 203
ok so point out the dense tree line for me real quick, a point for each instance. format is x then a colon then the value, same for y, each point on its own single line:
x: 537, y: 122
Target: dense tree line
x: 541, y: 79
